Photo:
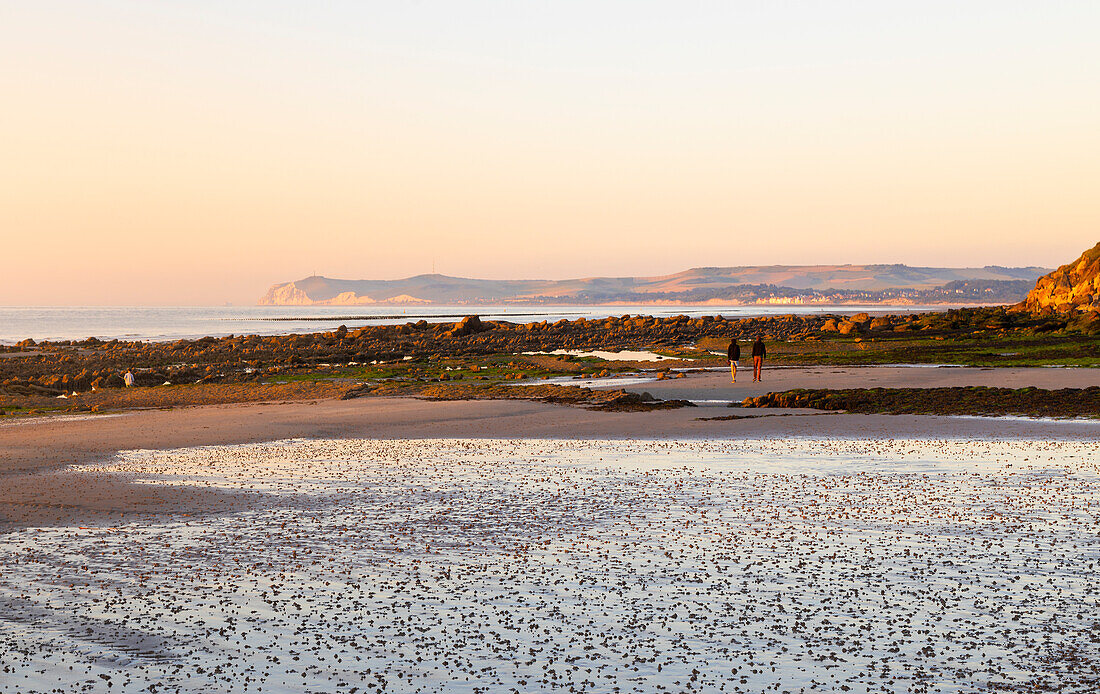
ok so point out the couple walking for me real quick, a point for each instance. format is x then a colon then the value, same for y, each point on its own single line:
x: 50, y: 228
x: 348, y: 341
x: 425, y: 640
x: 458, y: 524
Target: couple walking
x: 759, y: 351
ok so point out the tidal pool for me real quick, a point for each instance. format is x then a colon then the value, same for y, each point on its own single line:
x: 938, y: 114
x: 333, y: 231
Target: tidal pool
x: 780, y: 565
x: 621, y: 355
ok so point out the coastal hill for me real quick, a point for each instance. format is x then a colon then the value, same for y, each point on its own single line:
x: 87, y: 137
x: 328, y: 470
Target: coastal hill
x: 729, y: 285
x: 1069, y: 289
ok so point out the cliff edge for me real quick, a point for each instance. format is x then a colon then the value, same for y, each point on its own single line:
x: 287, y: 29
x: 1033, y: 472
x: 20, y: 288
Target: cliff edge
x: 1071, y: 288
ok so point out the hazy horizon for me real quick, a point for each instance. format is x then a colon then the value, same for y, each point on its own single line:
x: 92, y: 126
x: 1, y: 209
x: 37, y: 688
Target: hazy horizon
x: 197, y: 153
x: 256, y: 301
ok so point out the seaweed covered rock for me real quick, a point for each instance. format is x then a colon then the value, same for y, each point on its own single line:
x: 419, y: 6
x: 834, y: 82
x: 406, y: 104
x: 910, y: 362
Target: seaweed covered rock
x: 1086, y: 322
x: 963, y: 400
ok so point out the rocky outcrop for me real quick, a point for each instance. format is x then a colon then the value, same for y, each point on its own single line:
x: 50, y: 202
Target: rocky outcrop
x: 468, y: 326
x: 68, y: 365
x: 1070, y: 289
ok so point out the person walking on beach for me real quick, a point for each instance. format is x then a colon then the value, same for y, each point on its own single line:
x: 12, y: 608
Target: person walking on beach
x: 734, y: 353
x: 128, y: 378
x: 759, y: 351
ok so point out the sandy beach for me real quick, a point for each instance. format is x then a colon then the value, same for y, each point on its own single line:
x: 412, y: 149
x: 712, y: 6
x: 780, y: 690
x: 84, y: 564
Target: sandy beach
x: 350, y: 348
x: 63, y: 440
x: 480, y: 546
x: 30, y: 447
x: 801, y: 564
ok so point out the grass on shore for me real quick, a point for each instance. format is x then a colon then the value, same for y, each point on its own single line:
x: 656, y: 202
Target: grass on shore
x: 491, y: 370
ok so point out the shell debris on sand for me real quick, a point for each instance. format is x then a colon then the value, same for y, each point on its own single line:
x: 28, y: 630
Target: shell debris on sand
x: 787, y: 565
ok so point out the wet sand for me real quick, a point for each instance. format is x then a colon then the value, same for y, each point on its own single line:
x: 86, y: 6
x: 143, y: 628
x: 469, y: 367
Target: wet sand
x: 46, y: 442
x: 818, y: 564
x: 716, y: 386
x: 483, y: 546
x: 33, y: 444
x: 36, y: 487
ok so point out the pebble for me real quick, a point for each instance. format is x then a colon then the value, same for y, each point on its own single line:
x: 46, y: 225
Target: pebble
x: 758, y: 565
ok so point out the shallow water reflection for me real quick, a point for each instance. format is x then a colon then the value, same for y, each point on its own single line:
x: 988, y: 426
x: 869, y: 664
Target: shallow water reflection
x: 781, y: 565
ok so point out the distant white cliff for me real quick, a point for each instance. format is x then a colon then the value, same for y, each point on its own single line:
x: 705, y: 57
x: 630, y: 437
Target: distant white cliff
x: 293, y: 294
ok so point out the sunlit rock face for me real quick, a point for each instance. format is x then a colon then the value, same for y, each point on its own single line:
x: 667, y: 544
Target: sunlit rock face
x: 1070, y: 288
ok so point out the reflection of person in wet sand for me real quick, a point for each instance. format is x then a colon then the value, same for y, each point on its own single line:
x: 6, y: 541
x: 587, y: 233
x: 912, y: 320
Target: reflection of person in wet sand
x: 758, y: 354
x: 734, y: 353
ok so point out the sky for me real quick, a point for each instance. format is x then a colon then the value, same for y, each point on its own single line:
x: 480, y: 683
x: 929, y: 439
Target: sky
x: 196, y: 152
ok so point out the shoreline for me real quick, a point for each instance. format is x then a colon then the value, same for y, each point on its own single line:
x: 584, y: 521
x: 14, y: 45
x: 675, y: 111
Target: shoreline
x: 27, y: 446
x: 241, y: 320
x: 51, y: 440
x: 48, y: 476
x: 45, y: 481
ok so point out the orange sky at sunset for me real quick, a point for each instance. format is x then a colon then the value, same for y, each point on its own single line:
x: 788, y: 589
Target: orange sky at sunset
x: 195, y: 153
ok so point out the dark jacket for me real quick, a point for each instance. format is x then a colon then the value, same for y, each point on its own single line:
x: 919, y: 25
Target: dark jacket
x: 734, y: 352
x: 758, y: 349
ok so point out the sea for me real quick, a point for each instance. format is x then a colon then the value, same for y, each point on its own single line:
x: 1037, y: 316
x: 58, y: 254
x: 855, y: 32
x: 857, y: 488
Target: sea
x: 162, y: 323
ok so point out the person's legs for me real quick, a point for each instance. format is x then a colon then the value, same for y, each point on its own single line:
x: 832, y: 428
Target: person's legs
x: 733, y: 371
x: 756, y: 363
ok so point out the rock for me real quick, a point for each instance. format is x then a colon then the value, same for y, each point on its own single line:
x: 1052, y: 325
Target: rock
x: 829, y: 326
x: 848, y: 327
x: 1069, y: 289
x: 881, y: 323
x: 470, y: 325
x: 1087, y: 323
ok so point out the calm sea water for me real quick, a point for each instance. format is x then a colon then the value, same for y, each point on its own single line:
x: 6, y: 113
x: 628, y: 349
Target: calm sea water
x: 182, y: 322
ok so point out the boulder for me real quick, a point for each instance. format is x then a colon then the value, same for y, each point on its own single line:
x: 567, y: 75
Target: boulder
x: 468, y: 326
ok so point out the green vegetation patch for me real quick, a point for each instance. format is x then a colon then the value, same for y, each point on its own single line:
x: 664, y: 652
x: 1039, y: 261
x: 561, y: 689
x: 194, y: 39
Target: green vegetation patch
x: 602, y: 400
x: 492, y: 369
